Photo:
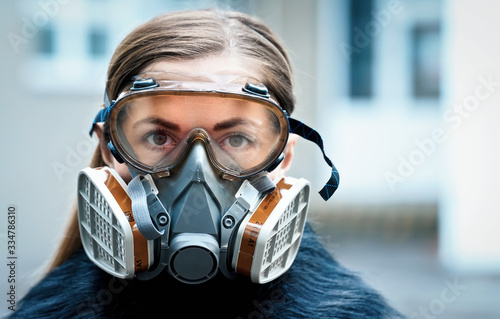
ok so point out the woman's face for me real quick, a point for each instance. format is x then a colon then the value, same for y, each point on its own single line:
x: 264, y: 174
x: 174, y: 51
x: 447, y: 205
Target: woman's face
x: 212, y: 65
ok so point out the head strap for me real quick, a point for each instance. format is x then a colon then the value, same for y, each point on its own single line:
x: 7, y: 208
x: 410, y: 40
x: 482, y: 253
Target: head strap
x: 299, y: 128
x: 102, y: 116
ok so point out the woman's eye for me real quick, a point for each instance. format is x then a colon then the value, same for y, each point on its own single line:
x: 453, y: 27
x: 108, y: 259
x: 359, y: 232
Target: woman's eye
x: 236, y: 141
x: 159, y: 138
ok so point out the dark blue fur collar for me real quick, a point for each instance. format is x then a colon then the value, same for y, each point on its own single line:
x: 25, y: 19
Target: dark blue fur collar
x: 315, y: 287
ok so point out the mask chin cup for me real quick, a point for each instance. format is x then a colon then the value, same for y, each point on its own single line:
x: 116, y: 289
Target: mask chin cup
x: 268, y: 240
x: 107, y: 226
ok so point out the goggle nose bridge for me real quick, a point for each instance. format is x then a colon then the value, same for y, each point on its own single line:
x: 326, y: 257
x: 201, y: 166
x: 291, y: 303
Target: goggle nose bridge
x: 201, y: 135
x: 198, y: 133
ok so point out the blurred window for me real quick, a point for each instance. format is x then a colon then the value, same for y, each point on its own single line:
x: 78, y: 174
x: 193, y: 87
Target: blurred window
x: 360, y: 67
x: 98, y: 42
x: 45, y: 41
x: 425, y: 41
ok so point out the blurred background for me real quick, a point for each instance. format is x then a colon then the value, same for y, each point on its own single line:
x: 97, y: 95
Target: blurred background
x: 404, y: 92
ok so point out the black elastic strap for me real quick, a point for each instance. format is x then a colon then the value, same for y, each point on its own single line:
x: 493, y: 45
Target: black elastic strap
x: 299, y: 128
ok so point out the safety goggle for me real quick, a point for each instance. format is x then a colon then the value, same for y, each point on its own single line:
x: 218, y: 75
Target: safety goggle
x: 157, y: 117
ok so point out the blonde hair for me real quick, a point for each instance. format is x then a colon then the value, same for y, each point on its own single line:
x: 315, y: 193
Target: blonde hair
x: 190, y: 35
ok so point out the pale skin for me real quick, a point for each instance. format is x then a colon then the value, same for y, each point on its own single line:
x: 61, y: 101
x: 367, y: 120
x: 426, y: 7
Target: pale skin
x: 222, y: 64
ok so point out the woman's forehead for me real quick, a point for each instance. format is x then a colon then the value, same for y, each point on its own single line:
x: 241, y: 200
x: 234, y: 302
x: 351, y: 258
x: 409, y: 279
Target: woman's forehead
x: 197, y: 111
x: 213, y: 64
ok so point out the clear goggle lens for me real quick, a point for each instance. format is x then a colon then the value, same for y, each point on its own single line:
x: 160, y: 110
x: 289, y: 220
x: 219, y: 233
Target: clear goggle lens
x: 154, y: 130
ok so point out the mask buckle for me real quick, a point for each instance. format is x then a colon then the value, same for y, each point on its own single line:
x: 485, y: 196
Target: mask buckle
x: 152, y: 218
x: 246, y: 198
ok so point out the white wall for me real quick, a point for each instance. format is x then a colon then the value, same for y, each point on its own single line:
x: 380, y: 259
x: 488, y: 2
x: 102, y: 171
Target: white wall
x: 470, y: 214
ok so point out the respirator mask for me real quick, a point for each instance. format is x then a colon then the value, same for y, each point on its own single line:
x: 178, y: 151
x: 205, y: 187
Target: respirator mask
x: 199, y: 149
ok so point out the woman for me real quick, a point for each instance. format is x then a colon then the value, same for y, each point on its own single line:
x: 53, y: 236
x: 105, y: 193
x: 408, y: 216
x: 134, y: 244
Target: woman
x: 215, y: 43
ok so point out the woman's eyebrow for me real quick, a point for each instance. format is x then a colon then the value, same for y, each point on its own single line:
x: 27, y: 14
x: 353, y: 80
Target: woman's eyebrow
x: 158, y: 121
x: 227, y: 124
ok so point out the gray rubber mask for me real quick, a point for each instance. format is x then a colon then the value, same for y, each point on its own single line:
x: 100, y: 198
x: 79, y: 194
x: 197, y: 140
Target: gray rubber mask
x: 192, y: 223
x: 184, y: 211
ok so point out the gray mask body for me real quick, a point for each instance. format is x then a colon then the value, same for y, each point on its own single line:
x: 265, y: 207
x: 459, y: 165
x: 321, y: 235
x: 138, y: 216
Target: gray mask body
x: 187, y: 211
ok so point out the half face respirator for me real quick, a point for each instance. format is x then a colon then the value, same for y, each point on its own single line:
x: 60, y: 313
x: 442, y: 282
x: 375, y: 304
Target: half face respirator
x: 199, y: 149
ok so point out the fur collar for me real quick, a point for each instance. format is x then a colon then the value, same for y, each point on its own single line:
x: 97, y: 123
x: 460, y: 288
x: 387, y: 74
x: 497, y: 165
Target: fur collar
x: 316, y: 286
